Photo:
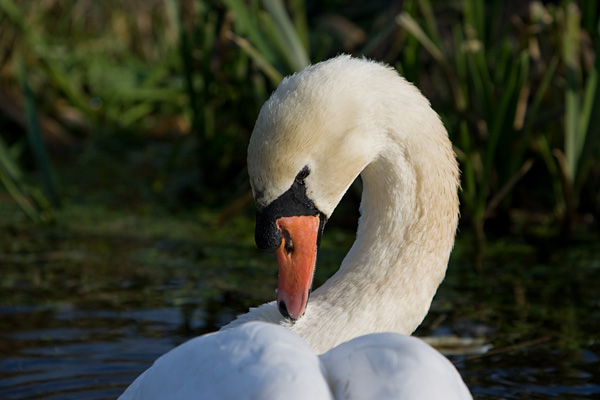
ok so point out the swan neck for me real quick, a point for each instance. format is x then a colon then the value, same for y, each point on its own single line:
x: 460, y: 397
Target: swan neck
x: 409, y: 214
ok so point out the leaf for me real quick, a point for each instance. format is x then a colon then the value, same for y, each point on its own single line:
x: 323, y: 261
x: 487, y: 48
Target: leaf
x: 295, y: 52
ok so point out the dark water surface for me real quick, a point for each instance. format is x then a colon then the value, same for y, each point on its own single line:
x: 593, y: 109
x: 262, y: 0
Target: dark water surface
x: 83, y: 311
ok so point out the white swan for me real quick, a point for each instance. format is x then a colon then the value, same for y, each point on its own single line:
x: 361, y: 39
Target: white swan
x: 320, y: 129
x: 263, y: 361
x: 339, y: 119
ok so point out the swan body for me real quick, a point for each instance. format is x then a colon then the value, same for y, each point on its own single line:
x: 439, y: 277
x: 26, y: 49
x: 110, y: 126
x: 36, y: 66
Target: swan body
x: 255, y: 361
x: 320, y: 129
x: 263, y: 361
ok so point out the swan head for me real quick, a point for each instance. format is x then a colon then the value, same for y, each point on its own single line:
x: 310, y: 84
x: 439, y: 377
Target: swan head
x: 311, y: 131
x: 317, y: 132
x: 307, y: 147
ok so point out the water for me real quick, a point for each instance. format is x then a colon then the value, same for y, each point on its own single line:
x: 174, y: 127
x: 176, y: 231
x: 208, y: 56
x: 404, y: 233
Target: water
x: 82, y: 314
x: 81, y: 354
x: 87, y: 354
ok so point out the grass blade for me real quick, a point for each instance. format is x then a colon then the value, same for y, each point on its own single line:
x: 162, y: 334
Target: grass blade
x: 246, y: 25
x: 590, y: 93
x: 296, y: 53
x: 532, y: 113
x: 407, y: 22
x: 572, y: 100
x: 34, y: 135
x: 275, y: 76
x: 299, y: 14
x: 19, y: 196
x: 431, y: 22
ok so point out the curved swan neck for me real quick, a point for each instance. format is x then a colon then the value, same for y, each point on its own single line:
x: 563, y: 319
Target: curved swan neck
x: 409, y: 214
x: 409, y: 209
x: 405, y: 233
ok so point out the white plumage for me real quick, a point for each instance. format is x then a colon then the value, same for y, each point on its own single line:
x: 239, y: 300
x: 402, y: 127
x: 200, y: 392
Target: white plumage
x: 262, y: 361
x: 255, y: 361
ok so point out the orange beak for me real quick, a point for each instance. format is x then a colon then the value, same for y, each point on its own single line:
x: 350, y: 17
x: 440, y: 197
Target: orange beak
x: 296, y: 257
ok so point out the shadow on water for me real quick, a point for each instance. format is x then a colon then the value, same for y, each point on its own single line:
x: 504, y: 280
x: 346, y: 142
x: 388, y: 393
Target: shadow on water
x: 86, y: 306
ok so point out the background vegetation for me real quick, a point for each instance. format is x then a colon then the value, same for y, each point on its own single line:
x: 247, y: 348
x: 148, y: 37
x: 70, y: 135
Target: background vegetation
x: 131, y: 103
x: 124, y: 191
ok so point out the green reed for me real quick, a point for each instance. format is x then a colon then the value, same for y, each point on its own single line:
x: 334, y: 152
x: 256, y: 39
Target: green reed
x: 518, y: 93
x: 488, y: 81
x: 278, y: 44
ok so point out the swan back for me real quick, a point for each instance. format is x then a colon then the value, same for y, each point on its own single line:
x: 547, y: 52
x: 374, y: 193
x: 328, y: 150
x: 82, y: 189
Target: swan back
x: 261, y: 361
x: 255, y: 361
x: 391, y: 366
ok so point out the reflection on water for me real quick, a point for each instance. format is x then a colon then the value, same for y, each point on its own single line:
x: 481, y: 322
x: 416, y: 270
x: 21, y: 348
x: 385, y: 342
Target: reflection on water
x: 81, y: 361
x: 84, y: 328
x: 99, y: 358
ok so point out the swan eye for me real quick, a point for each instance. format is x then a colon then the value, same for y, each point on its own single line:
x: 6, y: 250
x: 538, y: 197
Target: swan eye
x: 302, y: 175
x: 288, y: 244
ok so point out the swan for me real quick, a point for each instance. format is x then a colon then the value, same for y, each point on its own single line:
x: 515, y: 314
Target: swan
x: 264, y: 361
x: 320, y: 130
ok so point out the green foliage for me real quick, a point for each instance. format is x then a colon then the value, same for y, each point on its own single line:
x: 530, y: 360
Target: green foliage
x: 31, y: 200
x: 499, y: 82
x: 582, y: 105
x: 34, y: 136
x: 517, y: 89
x: 276, y: 44
x: 488, y: 79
